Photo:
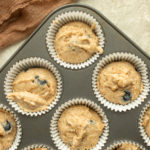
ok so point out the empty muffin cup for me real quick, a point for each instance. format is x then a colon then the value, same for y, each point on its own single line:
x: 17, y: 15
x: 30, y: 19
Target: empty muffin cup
x: 144, y: 124
x: 121, y: 74
x: 37, y: 147
x: 87, y: 128
x: 125, y: 145
x: 10, y: 129
x: 33, y: 86
x: 75, y: 49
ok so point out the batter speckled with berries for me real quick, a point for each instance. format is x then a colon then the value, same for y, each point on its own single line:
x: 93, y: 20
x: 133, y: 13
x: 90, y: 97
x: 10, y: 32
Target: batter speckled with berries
x: 119, y: 82
x: 34, y: 89
x: 80, y: 127
x: 146, y: 121
x: 76, y: 42
x: 127, y: 146
x: 8, y: 129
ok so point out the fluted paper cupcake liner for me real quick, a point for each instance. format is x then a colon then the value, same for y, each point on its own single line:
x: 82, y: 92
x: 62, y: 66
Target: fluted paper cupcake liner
x: 119, y: 143
x: 25, y: 64
x: 67, y: 17
x: 143, y: 133
x: 30, y: 147
x: 78, y: 101
x: 17, y: 139
x: 139, y: 65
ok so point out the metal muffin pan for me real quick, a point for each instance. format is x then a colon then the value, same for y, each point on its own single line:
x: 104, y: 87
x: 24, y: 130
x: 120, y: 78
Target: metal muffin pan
x: 76, y: 83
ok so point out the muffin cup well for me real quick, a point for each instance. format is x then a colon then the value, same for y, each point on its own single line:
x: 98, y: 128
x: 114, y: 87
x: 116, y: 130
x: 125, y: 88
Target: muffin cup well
x: 17, y: 139
x: 30, y: 63
x: 78, y: 101
x: 67, y: 17
x: 37, y: 146
x: 141, y: 68
x: 118, y: 143
x: 143, y: 133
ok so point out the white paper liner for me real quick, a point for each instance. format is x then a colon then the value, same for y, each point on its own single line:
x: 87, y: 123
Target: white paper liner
x: 118, y: 143
x: 67, y: 17
x: 17, y: 139
x: 78, y: 101
x: 143, y: 133
x: 37, y: 146
x: 139, y: 65
x: 26, y: 64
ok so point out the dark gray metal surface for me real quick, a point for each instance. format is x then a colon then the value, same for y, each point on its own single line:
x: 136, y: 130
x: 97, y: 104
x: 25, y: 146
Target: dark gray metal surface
x: 76, y: 83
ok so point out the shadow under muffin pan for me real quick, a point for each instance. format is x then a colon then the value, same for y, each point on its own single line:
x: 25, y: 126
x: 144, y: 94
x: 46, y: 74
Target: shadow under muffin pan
x: 76, y: 83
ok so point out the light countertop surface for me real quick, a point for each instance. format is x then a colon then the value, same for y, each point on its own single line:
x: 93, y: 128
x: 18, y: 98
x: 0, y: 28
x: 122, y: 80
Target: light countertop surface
x: 130, y: 16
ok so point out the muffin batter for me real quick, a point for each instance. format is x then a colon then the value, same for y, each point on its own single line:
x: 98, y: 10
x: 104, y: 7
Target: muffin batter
x: 119, y: 82
x: 34, y: 89
x: 146, y: 121
x: 76, y: 42
x: 127, y: 146
x: 8, y: 129
x: 80, y: 127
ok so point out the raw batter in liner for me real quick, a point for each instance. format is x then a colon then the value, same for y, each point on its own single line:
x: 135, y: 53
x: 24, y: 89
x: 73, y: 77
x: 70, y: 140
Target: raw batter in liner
x: 119, y: 82
x: 127, y: 146
x: 80, y: 127
x: 8, y: 129
x: 146, y: 122
x: 75, y: 42
x: 34, y: 89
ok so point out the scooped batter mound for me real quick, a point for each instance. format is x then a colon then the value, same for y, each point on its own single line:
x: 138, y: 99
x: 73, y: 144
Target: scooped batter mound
x: 119, y: 82
x: 80, y: 127
x: 75, y: 42
x: 8, y: 129
x: 127, y: 146
x: 146, y: 121
x: 34, y: 89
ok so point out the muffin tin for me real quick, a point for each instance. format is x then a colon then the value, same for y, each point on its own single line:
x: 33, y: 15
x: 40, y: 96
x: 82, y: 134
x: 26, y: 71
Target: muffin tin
x: 76, y: 83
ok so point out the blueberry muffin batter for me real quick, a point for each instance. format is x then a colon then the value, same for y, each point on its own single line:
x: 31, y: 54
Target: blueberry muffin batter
x: 127, y: 146
x: 34, y: 89
x: 119, y: 82
x: 75, y: 42
x: 8, y: 129
x: 80, y: 127
x: 146, y: 122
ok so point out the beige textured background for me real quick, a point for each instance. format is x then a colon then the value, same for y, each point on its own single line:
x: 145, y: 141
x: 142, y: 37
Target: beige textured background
x: 131, y: 16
